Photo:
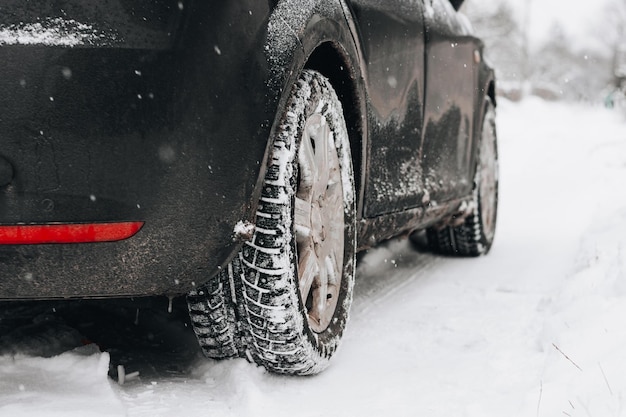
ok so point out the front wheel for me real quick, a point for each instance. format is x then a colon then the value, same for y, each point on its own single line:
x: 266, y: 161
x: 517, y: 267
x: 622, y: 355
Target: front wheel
x: 474, y: 236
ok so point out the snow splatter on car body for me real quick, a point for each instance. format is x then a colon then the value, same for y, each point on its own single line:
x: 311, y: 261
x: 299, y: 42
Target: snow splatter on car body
x: 139, y: 138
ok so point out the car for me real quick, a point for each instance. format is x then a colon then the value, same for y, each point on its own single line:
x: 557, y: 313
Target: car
x: 239, y: 153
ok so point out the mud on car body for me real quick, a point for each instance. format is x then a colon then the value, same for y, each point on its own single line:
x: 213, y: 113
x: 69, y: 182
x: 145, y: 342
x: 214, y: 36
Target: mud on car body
x: 239, y: 153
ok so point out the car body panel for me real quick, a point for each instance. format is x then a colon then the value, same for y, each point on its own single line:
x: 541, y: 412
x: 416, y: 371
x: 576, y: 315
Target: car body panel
x: 154, y: 135
x: 392, y: 36
x: 164, y: 118
x: 451, y: 95
x: 433, y: 152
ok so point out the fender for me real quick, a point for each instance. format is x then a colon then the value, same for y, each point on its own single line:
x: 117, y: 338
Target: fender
x: 320, y: 37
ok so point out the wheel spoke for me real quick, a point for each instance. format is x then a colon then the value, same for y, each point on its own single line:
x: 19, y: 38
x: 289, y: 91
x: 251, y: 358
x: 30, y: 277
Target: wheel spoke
x: 308, y: 269
x: 302, y: 219
x: 321, y: 138
x: 308, y: 167
x: 319, y: 293
x: 332, y: 268
x: 314, y: 158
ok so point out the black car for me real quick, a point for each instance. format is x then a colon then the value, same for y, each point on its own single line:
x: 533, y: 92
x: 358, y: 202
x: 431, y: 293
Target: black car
x: 239, y: 152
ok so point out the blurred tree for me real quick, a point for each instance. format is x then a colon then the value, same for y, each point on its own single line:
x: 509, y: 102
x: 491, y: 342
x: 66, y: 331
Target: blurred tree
x: 560, y: 71
x: 616, y: 38
x: 502, y: 34
x: 554, y: 67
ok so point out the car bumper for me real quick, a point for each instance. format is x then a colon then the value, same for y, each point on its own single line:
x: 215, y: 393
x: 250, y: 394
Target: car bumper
x: 132, y: 128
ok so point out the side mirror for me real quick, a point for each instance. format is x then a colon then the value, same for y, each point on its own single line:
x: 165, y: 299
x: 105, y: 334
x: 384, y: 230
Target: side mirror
x: 456, y: 4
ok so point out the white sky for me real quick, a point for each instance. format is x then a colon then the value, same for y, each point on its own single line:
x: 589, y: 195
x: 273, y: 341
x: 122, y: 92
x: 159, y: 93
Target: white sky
x: 578, y: 17
x: 581, y: 20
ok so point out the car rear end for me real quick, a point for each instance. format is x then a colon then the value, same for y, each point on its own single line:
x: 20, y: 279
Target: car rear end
x: 115, y: 169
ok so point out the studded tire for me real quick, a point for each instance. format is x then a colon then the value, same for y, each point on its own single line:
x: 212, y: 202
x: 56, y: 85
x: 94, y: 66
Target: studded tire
x: 212, y: 315
x: 294, y: 278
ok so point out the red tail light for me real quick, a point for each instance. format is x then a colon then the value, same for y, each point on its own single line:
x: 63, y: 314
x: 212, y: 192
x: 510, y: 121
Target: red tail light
x: 31, y: 234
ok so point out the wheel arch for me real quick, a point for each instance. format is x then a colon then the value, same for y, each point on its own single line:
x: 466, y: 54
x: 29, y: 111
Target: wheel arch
x: 321, y: 37
x: 333, y: 62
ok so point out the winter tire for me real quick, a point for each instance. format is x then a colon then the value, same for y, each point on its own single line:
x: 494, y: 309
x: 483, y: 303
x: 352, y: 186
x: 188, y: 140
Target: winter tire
x: 474, y: 236
x: 295, y: 277
x: 212, y: 316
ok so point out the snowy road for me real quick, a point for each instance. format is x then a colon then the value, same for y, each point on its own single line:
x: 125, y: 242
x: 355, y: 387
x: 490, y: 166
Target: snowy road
x: 537, y: 328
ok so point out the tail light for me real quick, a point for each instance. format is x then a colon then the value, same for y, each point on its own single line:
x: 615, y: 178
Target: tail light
x: 31, y: 234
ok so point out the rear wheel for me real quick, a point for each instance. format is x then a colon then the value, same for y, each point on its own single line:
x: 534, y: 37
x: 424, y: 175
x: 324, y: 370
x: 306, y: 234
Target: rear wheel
x: 290, y: 286
x: 296, y: 275
x: 474, y: 236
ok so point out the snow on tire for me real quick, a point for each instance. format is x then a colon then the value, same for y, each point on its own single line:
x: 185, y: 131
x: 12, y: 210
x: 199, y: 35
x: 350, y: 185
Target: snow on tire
x: 294, y: 279
x: 475, y: 235
x: 212, y: 314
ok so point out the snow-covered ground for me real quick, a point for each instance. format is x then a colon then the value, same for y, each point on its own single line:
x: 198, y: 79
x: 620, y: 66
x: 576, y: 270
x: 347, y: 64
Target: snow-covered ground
x: 537, y: 328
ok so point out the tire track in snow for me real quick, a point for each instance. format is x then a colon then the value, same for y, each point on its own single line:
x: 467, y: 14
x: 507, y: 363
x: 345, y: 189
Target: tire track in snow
x: 386, y: 271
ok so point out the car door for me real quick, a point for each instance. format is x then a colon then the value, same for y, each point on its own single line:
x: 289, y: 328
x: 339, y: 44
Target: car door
x: 451, y: 78
x: 392, y: 39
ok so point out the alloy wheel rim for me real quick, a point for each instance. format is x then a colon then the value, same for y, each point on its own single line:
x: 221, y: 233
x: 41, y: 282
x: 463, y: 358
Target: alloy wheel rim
x: 319, y: 223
